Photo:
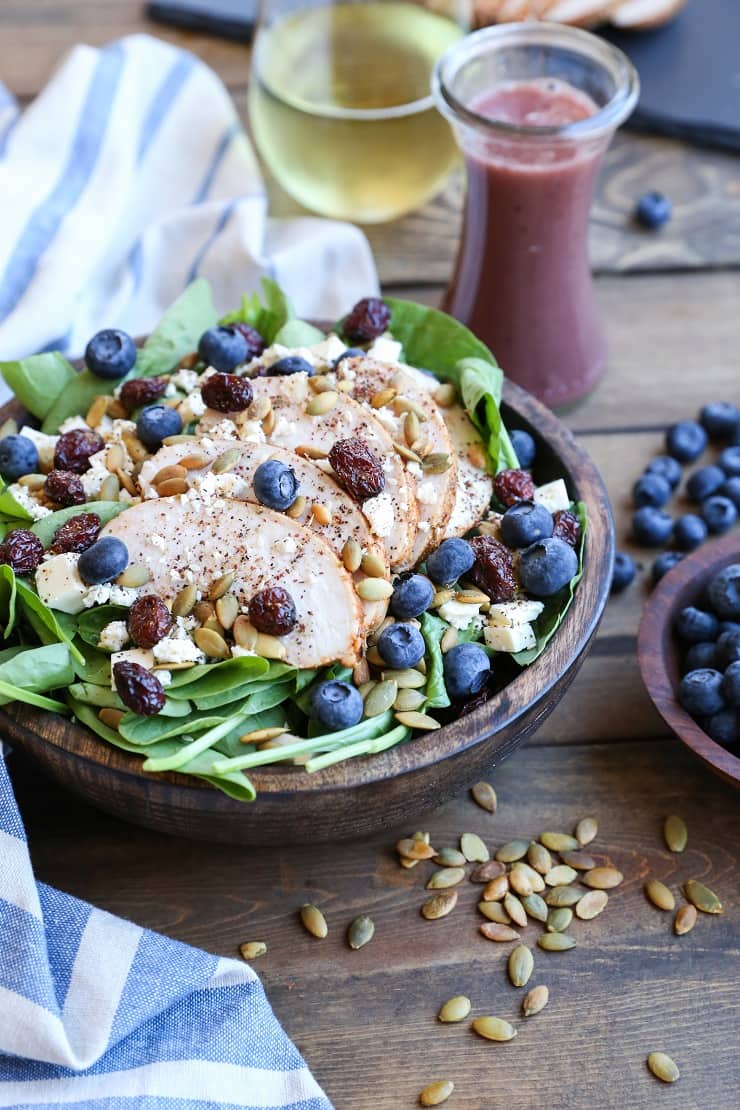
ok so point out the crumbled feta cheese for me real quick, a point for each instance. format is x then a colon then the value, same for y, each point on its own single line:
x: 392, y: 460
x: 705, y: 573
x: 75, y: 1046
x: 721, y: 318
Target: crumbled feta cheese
x: 27, y: 501
x: 509, y: 614
x: 92, y: 479
x: 386, y: 349
x: 283, y: 427
x: 193, y: 407
x: 123, y: 595
x: 239, y: 652
x: 45, y: 445
x: 96, y: 595
x: 72, y: 423
x: 274, y: 353
x: 553, y: 495
x: 186, y: 380
x: 158, y: 541
x: 184, y: 625
x: 413, y: 468
x: 225, y: 429
x: 173, y: 650
x: 164, y: 676
x: 426, y: 493
x: 59, y: 584
x: 329, y: 349
x: 519, y: 638
x: 388, y: 419
x: 458, y: 614
x: 132, y: 655
x: 379, y: 514
x: 114, y: 636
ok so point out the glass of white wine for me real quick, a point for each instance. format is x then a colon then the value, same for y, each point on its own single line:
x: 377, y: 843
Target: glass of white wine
x: 340, y: 103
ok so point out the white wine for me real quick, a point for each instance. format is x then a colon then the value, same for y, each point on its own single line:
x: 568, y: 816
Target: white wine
x: 341, y: 111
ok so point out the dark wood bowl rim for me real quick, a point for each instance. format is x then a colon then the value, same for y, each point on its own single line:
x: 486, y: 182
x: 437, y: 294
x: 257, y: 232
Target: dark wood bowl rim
x: 658, y: 650
x: 565, y: 647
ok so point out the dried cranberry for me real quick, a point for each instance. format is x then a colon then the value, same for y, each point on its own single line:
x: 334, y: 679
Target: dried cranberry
x: 76, y: 534
x: 273, y: 611
x: 227, y: 392
x: 566, y: 527
x: 22, y: 550
x: 358, y: 468
x: 493, y: 569
x: 255, y: 343
x: 141, y: 391
x: 64, y: 487
x: 138, y: 688
x: 511, y: 486
x: 367, y: 320
x: 149, y: 621
x: 73, y: 450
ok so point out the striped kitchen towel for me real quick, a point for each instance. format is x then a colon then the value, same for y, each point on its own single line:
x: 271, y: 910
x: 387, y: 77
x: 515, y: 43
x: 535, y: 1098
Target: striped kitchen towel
x: 129, y: 176
x: 99, y: 1014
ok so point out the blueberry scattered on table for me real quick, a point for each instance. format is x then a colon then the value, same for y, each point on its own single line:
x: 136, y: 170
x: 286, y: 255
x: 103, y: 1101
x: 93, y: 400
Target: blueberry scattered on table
x: 624, y: 572
x: 18, y: 456
x: 731, y: 489
x: 651, y: 527
x: 720, y: 420
x: 667, y: 467
x: 653, y: 210
x: 156, y: 423
x: 275, y: 485
x: 704, y: 482
x: 525, y: 523
x: 524, y: 447
x: 466, y: 670
x: 689, y: 532
x: 336, y: 705
x: 291, y: 364
x: 110, y: 354
x: 547, y: 566
x: 412, y: 596
x: 223, y: 347
x: 401, y: 645
x: 666, y: 561
x: 719, y: 514
x: 104, y: 561
x: 729, y: 460
x: 686, y: 440
x: 452, y: 559
x: 652, y: 490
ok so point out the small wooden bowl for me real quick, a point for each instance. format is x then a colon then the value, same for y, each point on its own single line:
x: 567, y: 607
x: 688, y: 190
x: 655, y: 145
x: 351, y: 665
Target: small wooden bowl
x: 659, y: 650
x: 354, y: 798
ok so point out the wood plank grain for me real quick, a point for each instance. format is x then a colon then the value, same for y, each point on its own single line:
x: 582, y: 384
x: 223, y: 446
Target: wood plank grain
x: 366, y: 1019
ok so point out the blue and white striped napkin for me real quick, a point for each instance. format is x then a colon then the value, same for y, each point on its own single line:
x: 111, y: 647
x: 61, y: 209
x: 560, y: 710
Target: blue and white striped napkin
x: 96, y: 1012
x: 128, y: 177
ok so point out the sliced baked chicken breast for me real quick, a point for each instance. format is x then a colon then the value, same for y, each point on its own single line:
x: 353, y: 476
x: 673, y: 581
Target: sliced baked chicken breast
x: 318, y: 490
x: 192, y: 539
x: 393, y: 514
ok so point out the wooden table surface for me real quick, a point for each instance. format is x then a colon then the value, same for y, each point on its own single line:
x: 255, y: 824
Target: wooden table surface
x: 366, y: 1020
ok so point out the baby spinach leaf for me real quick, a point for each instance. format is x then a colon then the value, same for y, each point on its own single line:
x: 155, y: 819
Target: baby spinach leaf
x: 231, y: 745
x: 47, y: 526
x: 47, y: 624
x: 213, y: 678
x: 178, y: 332
x: 267, y: 313
x: 433, y: 629
x: 34, y: 671
x: 75, y: 399
x: 361, y: 747
x: 38, y: 380
x: 11, y: 508
x: 92, y: 622
x: 297, y: 333
x: 92, y: 694
x: 480, y: 386
x: 22, y: 693
x: 92, y: 666
x: 8, y: 593
x: 432, y: 340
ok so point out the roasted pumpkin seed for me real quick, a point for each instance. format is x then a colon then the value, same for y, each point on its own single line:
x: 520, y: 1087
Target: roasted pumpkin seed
x: 535, y: 879
x: 520, y: 965
x: 383, y: 397
x: 245, y: 634
x: 434, y: 1094
x: 446, y: 877
x: 161, y: 476
x: 536, y: 907
x: 663, y: 1067
x: 380, y: 699
x: 558, y: 842
x: 535, y: 1000
x: 602, y: 878
x: 483, y: 793
x: 422, y: 721
x: 494, y: 1029
x: 591, y: 904
x: 322, y: 403
x: 685, y: 920
x: 556, y: 942
x: 406, y: 680
x: 449, y: 640
x: 539, y: 858
x: 321, y: 514
x: 496, y: 930
x: 563, y: 896
x: 314, y: 921
x: 559, y: 919
x: 352, y: 555
x: 211, y: 643
x: 412, y: 848
x: 269, y: 647
x: 195, y: 462
x: 227, y: 460
x: 306, y: 451
x: 586, y: 830
x: 411, y: 428
x: 227, y: 610
x: 436, y: 463
x: 252, y: 950
x: 515, y: 909
x: 675, y: 833
x: 439, y: 905
x: 298, y: 508
x: 520, y: 882
x: 454, y: 1009
x: 184, y: 601
x: 409, y: 700
x: 473, y: 848
x: 360, y: 932
x: 562, y: 875
x: 445, y: 395
x: 134, y: 576
x: 406, y: 453
x: 113, y: 717
x: 450, y: 857
x: 487, y: 871
x: 373, y: 565
x: 495, y: 912
x: 702, y: 897
x: 513, y: 850
x: 496, y: 889
x: 659, y: 894
x: 221, y: 586
x: 110, y: 489
x: 374, y: 589
x: 580, y: 860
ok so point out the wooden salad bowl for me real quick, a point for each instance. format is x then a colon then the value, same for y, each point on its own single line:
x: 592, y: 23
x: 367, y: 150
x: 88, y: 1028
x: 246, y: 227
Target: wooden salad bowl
x: 659, y: 651
x: 364, y: 794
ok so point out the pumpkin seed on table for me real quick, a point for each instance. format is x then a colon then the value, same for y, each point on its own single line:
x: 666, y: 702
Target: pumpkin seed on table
x: 492, y: 930
x: 495, y: 912
x: 494, y: 1029
x: 539, y: 858
x: 659, y: 894
x: 562, y: 875
x: 592, y: 904
x: 702, y: 897
x: 313, y: 921
x: 450, y: 857
x: 580, y: 860
x: 535, y: 1000
x: 515, y: 909
x: 252, y: 950
x: 685, y: 920
x: 484, y: 796
x: 496, y: 889
x: 487, y: 871
x: 413, y: 848
x: 520, y: 965
x: 439, y: 905
x: 559, y: 842
x: 446, y: 877
x: 663, y: 1067
x: 536, y: 907
x: 360, y: 932
x: 559, y: 919
x: 586, y: 830
x: 675, y: 833
x: 434, y: 1094
x: 563, y: 896
x: 556, y: 942
x: 454, y: 1009
x: 602, y: 878
x: 536, y: 881
x: 473, y: 848
x: 520, y: 883
x: 512, y: 851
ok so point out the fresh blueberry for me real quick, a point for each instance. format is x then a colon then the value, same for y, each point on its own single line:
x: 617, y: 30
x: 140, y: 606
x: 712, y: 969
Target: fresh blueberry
x: 104, y: 561
x: 18, y: 456
x: 731, y: 684
x: 728, y: 626
x: 291, y: 364
x: 155, y: 423
x: 731, y: 489
x: 653, y: 210
x: 275, y: 485
x: 729, y: 460
x: 724, y: 592
x: 728, y: 650
x: 452, y: 559
x: 667, y: 467
x: 351, y: 352
x: 525, y: 523
x: 466, y: 670
x: 524, y: 446
x: 689, y: 532
x: 694, y: 625
x: 651, y: 527
x: 666, y: 561
x: 704, y: 482
x: 110, y: 354
x: 401, y: 646
x: 724, y: 727
x: 223, y: 347
x: 719, y: 513
x: 336, y: 705
x: 720, y: 420
x: 412, y: 596
x: 624, y: 572
x: 651, y: 490
x: 686, y: 440
x: 700, y: 656
x: 547, y: 566
x: 700, y: 692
